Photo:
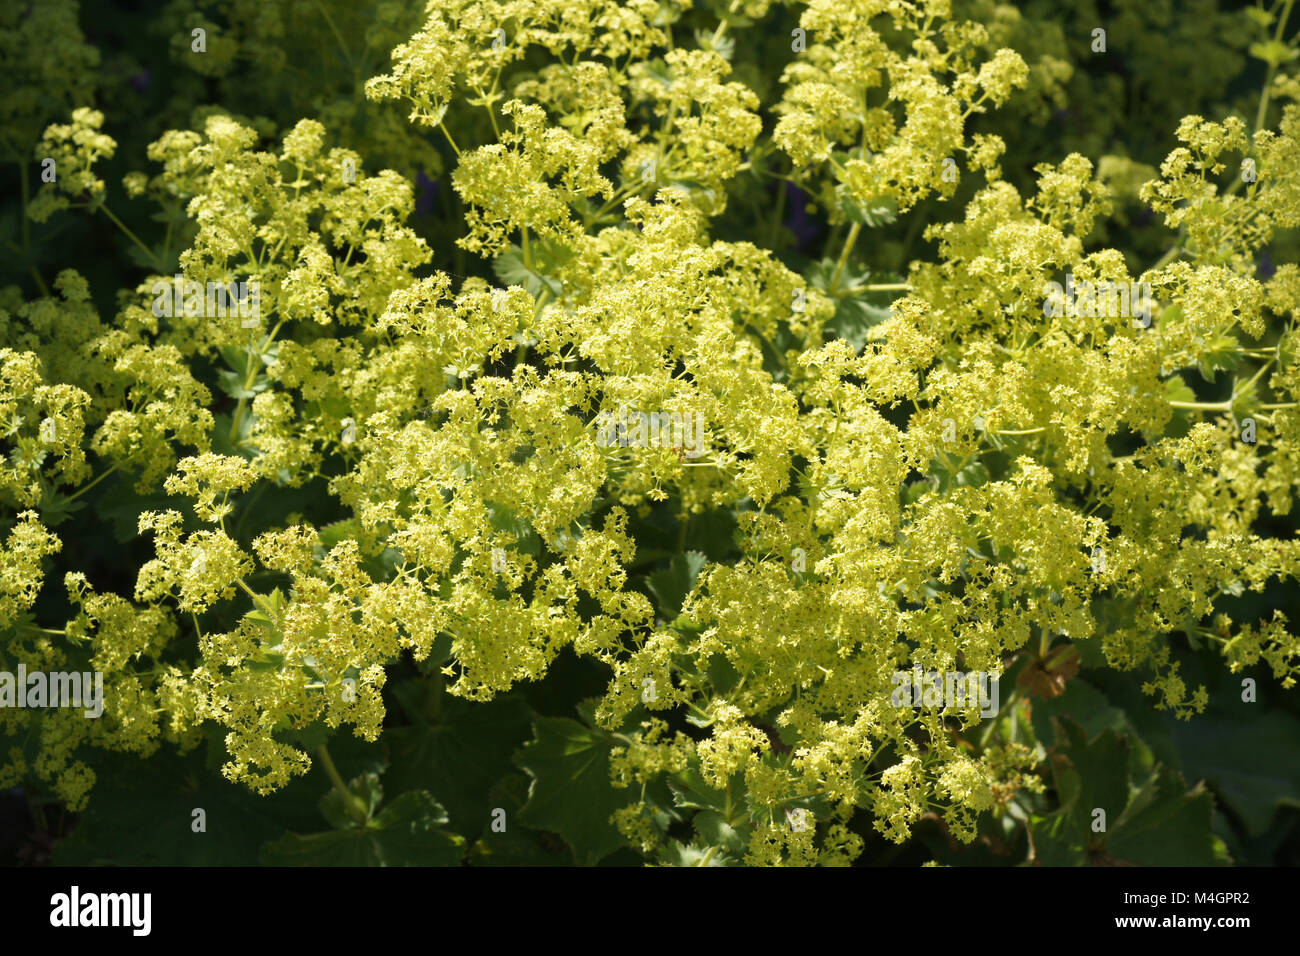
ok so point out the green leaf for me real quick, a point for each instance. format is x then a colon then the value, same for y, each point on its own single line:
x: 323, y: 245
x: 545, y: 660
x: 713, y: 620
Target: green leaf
x: 1167, y: 825
x: 571, y: 793
x: 724, y: 46
x: 433, y: 116
x: 1260, y: 17
x: 546, y: 258
x: 340, y: 813
x: 728, y: 13
x: 141, y: 813
x: 382, y: 566
x: 310, y: 738
x: 856, y: 315
x: 517, y: 845
x: 671, y: 586
x: 1274, y: 52
x: 57, y: 508
x: 692, y: 792
x: 1176, y: 390
x: 658, y: 71
x: 676, y: 853
x: 773, y: 349
x: 821, y: 272
x: 221, y: 439
x: 121, y: 506
x: 1090, y: 774
x: 262, y: 620
x: 232, y: 384
x: 1152, y: 818
x: 694, y: 191
x: 1081, y: 702
x: 1223, y: 352
x: 1253, y: 764
x: 504, y: 518
x: 722, y: 674
x: 145, y: 260
x: 455, y: 749
x: 409, y: 832
x: 332, y: 534
x: 714, y: 830
x: 230, y: 380
x: 973, y: 475
x: 873, y: 213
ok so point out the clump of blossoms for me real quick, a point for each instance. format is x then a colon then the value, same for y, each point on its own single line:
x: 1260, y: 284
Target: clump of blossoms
x: 922, y: 468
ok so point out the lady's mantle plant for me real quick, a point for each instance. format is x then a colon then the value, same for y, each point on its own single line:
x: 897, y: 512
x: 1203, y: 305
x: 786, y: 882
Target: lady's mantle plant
x: 911, y: 459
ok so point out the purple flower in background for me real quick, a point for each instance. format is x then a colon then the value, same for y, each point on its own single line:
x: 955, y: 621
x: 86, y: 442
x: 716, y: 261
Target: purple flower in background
x: 428, y: 189
x: 141, y: 81
x: 1266, y: 265
x: 797, y: 220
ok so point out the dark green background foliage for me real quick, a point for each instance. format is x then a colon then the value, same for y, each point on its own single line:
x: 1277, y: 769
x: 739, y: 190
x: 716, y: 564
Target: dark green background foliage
x: 1222, y: 787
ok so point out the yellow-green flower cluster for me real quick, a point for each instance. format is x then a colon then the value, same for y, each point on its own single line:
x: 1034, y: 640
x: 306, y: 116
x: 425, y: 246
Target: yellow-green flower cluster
x: 934, y: 496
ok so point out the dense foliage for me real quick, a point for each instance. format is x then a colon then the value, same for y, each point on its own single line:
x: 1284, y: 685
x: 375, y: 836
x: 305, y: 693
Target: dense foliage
x: 365, y: 575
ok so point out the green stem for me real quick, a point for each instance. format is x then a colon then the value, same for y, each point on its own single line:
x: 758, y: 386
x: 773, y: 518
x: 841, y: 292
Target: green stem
x: 451, y: 142
x: 257, y: 599
x: 1264, y: 95
x: 27, y: 231
x: 85, y: 488
x: 844, y: 255
x: 722, y: 27
x: 27, y: 227
x: 247, y: 506
x: 882, y: 287
x: 350, y: 799
x: 343, y: 47
x: 132, y: 236
x: 1255, y: 378
x: 993, y: 722
x: 1260, y: 115
x: 167, y: 238
x: 775, y: 225
x: 40, y: 630
x: 492, y: 115
x: 1227, y: 405
x: 254, y: 366
x: 1172, y: 253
